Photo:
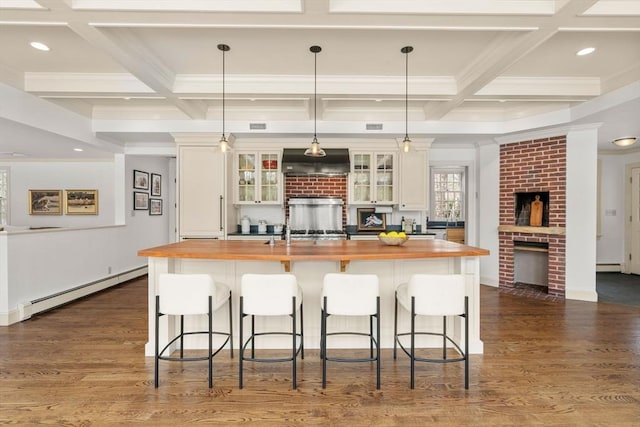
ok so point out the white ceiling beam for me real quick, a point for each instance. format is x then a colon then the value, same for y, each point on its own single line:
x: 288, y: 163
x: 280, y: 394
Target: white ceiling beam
x: 504, y: 52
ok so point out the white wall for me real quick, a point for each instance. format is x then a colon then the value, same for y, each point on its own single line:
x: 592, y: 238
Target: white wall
x: 489, y: 211
x: 582, y: 156
x: 610, y: 244
x: 25, y: 176
x: 149, y: 230
x: 38, y: 264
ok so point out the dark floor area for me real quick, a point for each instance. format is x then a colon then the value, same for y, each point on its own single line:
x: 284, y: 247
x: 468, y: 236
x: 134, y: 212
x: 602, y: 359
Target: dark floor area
x: 618, y: 288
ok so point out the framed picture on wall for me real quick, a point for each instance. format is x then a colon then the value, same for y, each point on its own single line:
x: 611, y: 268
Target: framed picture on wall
x: 140, y: 201
x: 81, y: 202
x: 140, y: 180
x: 155, y: 206
x: 369, y: 220
x: 45, y: 202
x: 156, y: 184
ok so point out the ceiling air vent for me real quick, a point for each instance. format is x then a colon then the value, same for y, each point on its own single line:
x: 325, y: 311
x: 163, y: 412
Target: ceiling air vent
x: 257, y: 126
x: 374, y: 126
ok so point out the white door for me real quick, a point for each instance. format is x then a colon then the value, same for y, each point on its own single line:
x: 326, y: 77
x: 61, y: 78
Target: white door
x: 634, y: 262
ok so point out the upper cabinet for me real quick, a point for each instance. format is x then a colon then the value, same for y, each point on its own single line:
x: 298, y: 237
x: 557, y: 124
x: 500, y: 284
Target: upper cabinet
x: 258, y: 177
x: 414, y: 180
x: 373, y: 178
x: 201, y: 192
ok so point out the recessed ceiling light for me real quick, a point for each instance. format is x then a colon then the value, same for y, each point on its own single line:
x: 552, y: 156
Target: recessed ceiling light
x: 40, y: 46
x: 78, y: 149
x: 585, y: 51
x: 502, y: 100
x: 625, y: 142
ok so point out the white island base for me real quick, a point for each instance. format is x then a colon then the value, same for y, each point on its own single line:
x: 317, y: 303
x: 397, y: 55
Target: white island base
x: 310, y: 275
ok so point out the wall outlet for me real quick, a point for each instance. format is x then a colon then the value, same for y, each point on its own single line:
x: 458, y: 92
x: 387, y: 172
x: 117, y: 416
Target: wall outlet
x: 109, y: 270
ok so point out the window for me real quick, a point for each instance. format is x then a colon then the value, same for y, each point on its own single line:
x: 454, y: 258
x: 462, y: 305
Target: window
x: 4, y: 196
x: 447, y: 190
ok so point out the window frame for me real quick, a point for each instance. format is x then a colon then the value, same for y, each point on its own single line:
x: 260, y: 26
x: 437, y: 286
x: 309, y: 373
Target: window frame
x: 436, y: 170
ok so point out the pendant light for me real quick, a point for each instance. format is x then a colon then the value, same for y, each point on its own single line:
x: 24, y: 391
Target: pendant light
x: 315, y: 150
x: 223, y: 144
x: 406, y: 144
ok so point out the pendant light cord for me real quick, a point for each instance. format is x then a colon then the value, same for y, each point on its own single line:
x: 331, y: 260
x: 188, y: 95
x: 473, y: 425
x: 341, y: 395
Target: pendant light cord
x: 315, y: 93
x: 223, y: 91
x: 406, y: 95
x: 224, y: 48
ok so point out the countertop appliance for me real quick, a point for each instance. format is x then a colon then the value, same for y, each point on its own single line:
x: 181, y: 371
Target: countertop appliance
x: 245, y: 225
x: 316, y: 218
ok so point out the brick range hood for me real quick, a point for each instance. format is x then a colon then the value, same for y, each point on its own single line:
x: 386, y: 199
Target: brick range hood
x: 533, y: 166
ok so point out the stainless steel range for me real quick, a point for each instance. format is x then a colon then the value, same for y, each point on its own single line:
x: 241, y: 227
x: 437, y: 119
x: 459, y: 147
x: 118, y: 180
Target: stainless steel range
x: 316, y: 218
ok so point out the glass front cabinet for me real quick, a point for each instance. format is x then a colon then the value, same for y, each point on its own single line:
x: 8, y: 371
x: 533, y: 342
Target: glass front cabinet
x: 372, y: 179
x: 258, y: 178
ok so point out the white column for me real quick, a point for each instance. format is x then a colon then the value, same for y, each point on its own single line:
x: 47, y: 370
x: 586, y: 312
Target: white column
x: 488, y: 202
x: 582, y: 159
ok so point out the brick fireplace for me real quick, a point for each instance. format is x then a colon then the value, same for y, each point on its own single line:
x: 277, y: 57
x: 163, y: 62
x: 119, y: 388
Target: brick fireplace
x: 533, y: 166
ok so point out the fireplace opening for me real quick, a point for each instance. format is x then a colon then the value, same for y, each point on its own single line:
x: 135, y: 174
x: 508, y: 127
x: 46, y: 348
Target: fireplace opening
x: 531, y: 266
x: 523, y: 207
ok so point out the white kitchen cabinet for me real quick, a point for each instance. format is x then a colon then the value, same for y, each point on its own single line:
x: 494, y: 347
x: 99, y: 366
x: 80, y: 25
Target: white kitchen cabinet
x: 258, y: 178
x: 201, y: 192
x: 373, y: 178
x: 414, y: 181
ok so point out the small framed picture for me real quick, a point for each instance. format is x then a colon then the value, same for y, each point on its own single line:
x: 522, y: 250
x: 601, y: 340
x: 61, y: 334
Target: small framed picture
x: 140, y: 201
x: 369, y: 220
x: 155, y: 206
x: 45, y: 202
x: 140, y: 180
x: 81, y: 202
x: 156, y: 184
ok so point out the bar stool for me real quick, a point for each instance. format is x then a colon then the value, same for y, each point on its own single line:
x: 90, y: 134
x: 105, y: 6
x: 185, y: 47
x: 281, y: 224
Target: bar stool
x: 433, y: 295
x: 190, y: 294
x: 350, y: 295
x: 271, y: 295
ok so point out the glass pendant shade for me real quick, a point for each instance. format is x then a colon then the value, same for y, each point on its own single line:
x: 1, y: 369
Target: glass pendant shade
x: 315, y: 150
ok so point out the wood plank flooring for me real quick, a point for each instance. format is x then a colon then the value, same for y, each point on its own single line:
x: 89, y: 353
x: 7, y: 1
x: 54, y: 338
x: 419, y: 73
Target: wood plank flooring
x: 545, y: 364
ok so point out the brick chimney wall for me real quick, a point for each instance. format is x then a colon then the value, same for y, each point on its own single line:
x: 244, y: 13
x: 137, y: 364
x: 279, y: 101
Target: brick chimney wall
x: 316, y: 186
x: 531, y: 166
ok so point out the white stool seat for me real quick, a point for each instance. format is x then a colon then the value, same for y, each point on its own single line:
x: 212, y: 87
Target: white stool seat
x: 350, y: 295
x: 436, y: 294
x: 271, y: 295
x: 190, y: 294
x: 433, y: 295
x: 187, y: 293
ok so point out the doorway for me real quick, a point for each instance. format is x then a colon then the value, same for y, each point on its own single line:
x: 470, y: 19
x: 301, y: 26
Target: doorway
x: 633, y: 213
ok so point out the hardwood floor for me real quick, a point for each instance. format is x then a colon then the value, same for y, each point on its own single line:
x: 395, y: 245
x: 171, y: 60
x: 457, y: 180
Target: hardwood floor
x: 545, y: 363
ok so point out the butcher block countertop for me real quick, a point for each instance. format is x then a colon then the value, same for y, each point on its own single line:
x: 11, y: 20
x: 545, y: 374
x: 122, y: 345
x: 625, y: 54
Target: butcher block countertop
x: 326, y: 250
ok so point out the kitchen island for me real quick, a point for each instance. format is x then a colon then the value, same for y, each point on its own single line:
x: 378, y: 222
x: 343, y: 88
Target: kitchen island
x: 226, y: 261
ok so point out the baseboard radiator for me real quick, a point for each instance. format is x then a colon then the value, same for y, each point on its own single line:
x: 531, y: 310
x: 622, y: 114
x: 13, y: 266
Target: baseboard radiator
x: 608, y: 268
x: 40, y: 305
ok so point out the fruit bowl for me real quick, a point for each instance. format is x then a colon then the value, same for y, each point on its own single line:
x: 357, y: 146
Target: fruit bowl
x: 393, y: 241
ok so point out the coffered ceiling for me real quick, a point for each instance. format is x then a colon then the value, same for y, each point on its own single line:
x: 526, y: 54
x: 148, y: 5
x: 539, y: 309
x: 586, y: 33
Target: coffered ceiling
x: 138, y: 72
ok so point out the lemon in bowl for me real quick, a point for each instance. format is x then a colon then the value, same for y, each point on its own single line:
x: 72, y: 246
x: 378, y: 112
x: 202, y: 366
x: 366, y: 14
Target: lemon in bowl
x: 393, y: 238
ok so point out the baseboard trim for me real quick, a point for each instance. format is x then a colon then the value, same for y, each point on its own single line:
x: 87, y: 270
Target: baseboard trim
x: 608, y: 268
x: 591, y: 296
x: 27, y: 309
